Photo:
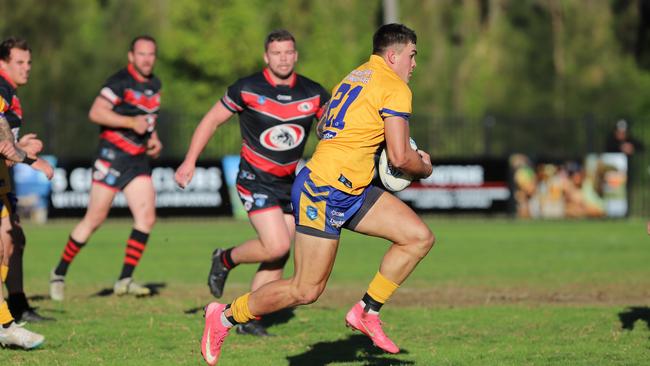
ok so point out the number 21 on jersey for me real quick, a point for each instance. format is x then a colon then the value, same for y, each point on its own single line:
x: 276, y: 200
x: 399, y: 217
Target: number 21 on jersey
x: 335, y: 115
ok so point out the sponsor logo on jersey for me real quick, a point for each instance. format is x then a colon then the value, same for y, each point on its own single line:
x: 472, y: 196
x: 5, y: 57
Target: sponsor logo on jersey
x: 305, y: 107
x: 328, y: 135
x: 107, y: 153
x: 245, y: 174
x: 312, y: 212
x: 346, y: 182
x: 282, y: 137
x: 261, y: 99
x: 336, y: 223
x: 284, y: 97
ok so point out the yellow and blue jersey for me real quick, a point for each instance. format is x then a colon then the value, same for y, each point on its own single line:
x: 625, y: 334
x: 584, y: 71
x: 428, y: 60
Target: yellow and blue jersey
x: 354, y: 125
x: 333, y: 191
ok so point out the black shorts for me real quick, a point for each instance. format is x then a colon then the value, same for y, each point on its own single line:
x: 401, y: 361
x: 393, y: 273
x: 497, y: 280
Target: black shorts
x: 261, y: 191
x: 8, y: 202
x: 115, y: 168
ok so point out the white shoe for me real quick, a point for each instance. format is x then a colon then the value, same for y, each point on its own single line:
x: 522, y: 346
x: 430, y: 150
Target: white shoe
x: 18, y: 336
x: 57, y: 286
x: 126, y: 286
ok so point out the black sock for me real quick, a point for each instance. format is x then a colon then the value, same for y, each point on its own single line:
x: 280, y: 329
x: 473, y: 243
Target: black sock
x: 226, y: 259
x: 17, y: 304
x: 134, y: 248
x: 70, y: 251
x: 371, y: 304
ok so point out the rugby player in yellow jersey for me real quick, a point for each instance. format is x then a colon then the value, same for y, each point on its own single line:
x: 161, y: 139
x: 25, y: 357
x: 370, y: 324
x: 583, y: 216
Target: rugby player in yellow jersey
x: 370, y: 106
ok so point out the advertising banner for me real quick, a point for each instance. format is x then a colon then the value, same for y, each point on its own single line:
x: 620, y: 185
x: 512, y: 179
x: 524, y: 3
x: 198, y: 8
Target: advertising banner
x: 464, y: 185
x: 206, y: 194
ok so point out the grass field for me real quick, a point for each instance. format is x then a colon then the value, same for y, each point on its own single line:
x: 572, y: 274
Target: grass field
x: 491, y: 292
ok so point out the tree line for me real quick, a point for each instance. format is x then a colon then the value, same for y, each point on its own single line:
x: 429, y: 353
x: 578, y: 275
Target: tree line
x: 476, y: 58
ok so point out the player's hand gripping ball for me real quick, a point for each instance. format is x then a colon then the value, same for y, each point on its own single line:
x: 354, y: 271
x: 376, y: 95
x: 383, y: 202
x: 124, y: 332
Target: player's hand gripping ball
x: 393, y: 179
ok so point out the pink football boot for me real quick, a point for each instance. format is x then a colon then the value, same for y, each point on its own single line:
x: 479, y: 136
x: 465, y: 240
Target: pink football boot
x: 214, y: 333
x: 370, y: 325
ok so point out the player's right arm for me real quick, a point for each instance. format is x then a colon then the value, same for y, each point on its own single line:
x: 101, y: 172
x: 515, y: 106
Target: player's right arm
x: 102, y: 114
x: 215, y: 117
x: 400, y: 154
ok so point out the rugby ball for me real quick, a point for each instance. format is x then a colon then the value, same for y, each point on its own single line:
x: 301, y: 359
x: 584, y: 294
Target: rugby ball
x: 393, y: 179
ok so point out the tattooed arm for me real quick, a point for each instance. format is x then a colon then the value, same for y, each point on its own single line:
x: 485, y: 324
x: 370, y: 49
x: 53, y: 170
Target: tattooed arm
x: 7, y: 137
x: 10, y: 150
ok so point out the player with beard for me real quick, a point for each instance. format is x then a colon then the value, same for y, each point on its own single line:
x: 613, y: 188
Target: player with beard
x: 126, y: 110
x: 276, y: 110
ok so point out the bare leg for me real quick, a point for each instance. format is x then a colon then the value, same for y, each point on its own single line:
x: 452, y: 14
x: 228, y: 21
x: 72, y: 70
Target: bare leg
x: 274, y: 238
x: 272, y: 271
x: 141, y: 197
x: 392, y: 219
x: 314, y: 259
x: 99, y: 205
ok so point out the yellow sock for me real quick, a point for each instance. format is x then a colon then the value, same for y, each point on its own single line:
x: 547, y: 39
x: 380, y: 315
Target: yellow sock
x: 5, y: 315
x: 381, y: 288
x: 3, y: 272
x: 240, y: 311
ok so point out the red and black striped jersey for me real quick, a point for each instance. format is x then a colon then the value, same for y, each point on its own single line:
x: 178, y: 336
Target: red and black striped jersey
x: 11, y: 108
x: 131, y: 95
x: 275, y: 120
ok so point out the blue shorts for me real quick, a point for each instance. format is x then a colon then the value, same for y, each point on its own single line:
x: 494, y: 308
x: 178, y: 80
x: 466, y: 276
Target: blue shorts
x: 322, y: 210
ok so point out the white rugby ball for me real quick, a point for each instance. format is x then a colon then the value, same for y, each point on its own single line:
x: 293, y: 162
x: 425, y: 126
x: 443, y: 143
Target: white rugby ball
x: 393, y: 179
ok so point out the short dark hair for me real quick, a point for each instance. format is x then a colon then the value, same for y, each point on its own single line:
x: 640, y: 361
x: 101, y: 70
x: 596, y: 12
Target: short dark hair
x: 143, y: 37
x: 390, y: 34
x: 12, y: 42
x: 279, y: 35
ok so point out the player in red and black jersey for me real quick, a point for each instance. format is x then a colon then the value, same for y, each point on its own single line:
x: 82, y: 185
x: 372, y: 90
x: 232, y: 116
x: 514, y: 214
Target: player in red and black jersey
x: 126, y: 110
x: 276, y: 110
x: 15, y: 66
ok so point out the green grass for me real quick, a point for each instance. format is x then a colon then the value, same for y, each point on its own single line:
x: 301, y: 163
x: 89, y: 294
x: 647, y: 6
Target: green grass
x: 491, y: 292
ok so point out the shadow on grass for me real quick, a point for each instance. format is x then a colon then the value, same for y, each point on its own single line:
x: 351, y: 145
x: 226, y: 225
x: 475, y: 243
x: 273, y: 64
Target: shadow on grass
x: 37, y: 298
x: 354, y: 348
x: 153, y: 286
x: 632, y: 314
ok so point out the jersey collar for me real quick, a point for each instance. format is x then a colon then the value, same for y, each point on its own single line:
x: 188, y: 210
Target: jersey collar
x: 380, y: 62
x: 6, y: 77
x: 267, y: 76
x: 136, y: 75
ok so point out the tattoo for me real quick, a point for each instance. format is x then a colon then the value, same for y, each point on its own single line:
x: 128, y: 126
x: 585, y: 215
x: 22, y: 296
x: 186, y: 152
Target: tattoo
x: 7, y: 135
x: 5, y: 130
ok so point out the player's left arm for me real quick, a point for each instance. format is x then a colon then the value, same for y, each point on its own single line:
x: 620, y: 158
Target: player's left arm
x: 398, y: 147
x: 154, y: 145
